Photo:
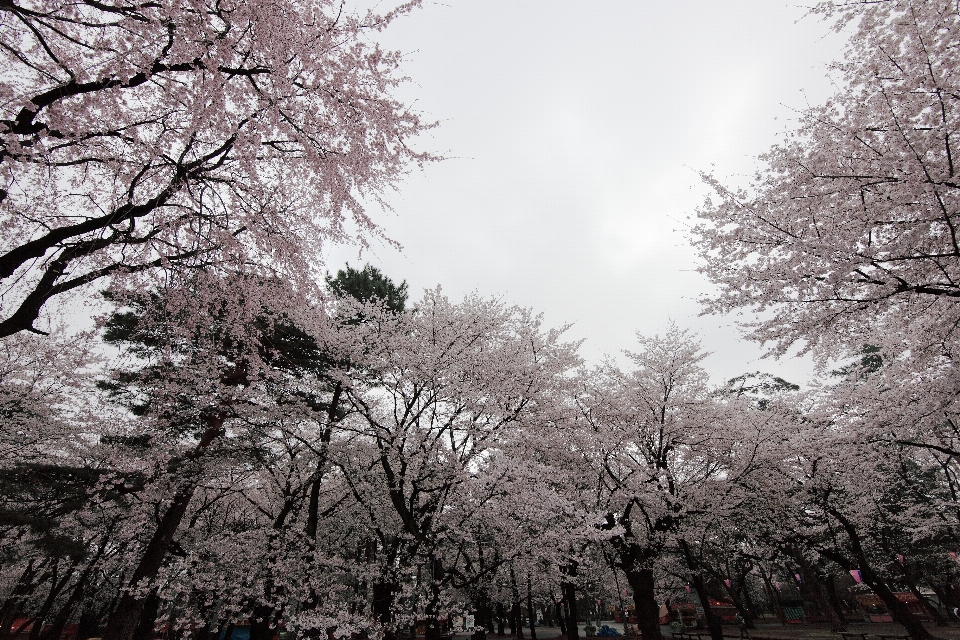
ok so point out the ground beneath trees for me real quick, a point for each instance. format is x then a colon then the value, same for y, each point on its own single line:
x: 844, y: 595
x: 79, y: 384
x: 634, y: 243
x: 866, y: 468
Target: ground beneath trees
x: 769, y: 630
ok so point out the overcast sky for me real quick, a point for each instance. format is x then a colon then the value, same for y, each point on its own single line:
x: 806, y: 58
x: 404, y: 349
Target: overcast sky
x: 574, y: 132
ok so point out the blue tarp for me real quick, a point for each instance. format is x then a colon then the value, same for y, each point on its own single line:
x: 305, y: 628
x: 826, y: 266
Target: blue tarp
x: 239, y: 633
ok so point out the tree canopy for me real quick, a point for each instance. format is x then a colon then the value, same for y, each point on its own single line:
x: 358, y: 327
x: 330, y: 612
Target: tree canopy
x: 242, y: 440
x: 188, y: 135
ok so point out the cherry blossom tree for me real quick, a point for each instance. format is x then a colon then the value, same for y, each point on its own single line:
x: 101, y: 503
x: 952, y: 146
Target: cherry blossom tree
x: 846, y: 243
x: 666, y: 457
x: 221, y: 454
x: 832, y: 497
x: 62, y: 500
x: 437, y: 395
x: 186, y: 135
x: 646, y: 436
x: 850, y: 223
x: 238, y: 409
x: 210, y: 382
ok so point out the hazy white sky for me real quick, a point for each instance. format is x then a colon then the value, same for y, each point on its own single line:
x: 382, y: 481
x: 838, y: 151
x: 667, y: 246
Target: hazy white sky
x: 574, y: 132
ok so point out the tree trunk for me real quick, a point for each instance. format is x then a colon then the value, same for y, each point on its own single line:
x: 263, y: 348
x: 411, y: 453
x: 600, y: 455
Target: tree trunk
x: 633, y: 562
x: 643, y: 584
x: 898, y: 610
x: 260, y: 628
x: 488, y: 616
x: 313, y: 505
x: 432, y: 623
x: 749, y: 605
x: 774, y: 595
x: 815, y: 581
x: 79, y: 589
x: 501, y: 623
x: 948, y: 596
x: 944, y: 595
x: 937, y: 618
x: 570, y: 596
x: 89, y: 624
x: 431, y: 629
x: 831, y: 587
x: 57, y: 583
x: 516, y: 615
x: 148, y: 617
x: 60, y: 620
x: 531, y: 612
x: 516, y: 620
x: 483, y: 615
x: 10, y: 609
x: 36, y: 627
x: 713, y: 622
x: 383, y: 601
x: 742, y: 610
x: 125, y: 618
